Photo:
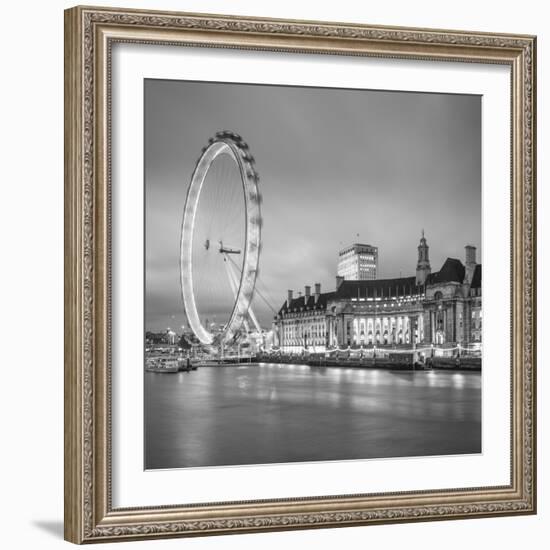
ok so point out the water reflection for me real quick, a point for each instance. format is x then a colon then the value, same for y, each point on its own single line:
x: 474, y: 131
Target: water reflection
x: 458, y: 380
x: 285, y: 413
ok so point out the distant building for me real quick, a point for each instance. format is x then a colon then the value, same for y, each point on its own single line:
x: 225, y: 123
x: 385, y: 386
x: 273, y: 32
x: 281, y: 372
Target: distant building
x: 156, y: 338
x: 358, y: 262
x: 152, y: 338
x: 441, y: 308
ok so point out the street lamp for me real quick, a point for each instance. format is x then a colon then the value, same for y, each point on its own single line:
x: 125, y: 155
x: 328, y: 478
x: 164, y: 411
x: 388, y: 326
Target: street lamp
x: 413, y: 336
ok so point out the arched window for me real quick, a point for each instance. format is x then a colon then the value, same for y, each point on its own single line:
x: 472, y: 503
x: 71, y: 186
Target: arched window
x: 438, y: 296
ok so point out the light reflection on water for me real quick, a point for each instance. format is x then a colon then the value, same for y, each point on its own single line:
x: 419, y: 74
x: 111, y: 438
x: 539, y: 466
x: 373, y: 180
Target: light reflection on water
x: 257, y: 414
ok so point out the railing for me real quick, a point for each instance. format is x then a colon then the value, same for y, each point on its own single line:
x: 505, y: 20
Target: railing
x: 435, y: 350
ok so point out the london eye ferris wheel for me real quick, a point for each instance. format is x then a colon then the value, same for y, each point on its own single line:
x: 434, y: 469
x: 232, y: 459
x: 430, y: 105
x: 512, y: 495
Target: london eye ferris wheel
x: 220, y: 241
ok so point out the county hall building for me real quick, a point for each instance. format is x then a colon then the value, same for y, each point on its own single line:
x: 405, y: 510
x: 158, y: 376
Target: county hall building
x: 440, y: 308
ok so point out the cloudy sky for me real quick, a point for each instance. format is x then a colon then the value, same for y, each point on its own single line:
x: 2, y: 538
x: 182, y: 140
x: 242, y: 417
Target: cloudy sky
x: 333, y: 164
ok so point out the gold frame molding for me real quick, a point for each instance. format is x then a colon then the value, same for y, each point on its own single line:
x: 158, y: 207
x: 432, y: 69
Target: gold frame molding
x: 89, y: 35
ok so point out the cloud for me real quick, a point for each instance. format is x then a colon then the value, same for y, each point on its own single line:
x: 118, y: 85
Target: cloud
x: 332, y: 164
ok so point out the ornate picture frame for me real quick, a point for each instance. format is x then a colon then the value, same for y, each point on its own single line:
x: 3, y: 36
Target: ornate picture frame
x: 90, y: 34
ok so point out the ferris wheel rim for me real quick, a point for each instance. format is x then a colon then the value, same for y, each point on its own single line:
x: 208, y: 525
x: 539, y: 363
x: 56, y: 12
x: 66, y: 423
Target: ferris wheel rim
x: 232, y: 145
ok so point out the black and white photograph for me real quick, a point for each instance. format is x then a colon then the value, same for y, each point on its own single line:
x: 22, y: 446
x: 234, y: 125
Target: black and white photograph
x: 313, y: 274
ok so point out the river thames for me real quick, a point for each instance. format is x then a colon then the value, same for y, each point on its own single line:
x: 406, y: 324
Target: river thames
x: 275, y: 413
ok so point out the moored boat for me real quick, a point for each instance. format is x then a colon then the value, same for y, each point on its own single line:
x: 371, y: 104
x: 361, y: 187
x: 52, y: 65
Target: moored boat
x: 161, y: 364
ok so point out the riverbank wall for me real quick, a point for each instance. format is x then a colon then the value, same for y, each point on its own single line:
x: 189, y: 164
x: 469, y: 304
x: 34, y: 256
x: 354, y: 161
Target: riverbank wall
x: 440, y: 363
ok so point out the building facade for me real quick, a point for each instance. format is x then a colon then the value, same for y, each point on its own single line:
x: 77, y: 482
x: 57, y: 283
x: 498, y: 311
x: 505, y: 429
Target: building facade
x: 358, y: 262
x: 302, y: 321
x: 441, y: 308
x: 156, y: 338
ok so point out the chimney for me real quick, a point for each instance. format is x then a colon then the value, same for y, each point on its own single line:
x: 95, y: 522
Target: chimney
x: 470, y: 263
x: 289, y: 298
x: 339, y: 281
x: 470, y: 254
x: 308, y: 292
x: 317, y: 291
